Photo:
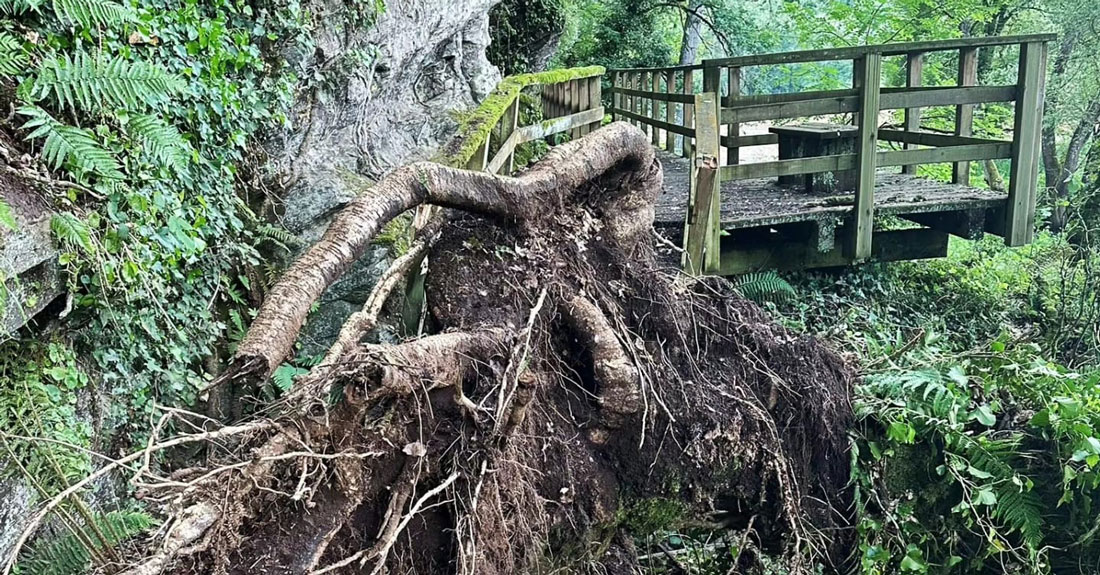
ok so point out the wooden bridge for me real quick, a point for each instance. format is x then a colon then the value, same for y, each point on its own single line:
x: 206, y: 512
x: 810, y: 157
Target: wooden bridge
x: 840, y: 191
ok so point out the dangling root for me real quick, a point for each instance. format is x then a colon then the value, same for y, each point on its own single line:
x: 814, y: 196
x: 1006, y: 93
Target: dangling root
x: 568, y: 379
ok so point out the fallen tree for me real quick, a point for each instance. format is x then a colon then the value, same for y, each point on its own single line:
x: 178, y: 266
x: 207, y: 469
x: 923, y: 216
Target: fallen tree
x: 567, y: 377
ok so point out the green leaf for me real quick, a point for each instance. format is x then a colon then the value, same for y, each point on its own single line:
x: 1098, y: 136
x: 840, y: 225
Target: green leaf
x: 69, y: 146
x: 984, y: 415
x: 94, y: 82
x: 93, y: 13
x: 13, y: 58
x: 7, y: 218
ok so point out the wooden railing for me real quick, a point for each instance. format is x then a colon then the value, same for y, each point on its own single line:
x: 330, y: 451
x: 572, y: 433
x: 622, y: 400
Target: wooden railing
x: 570, y: 102
x: 651, y: 98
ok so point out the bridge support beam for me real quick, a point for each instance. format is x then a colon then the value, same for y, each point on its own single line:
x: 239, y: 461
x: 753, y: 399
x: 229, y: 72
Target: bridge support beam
x: 868, y: 72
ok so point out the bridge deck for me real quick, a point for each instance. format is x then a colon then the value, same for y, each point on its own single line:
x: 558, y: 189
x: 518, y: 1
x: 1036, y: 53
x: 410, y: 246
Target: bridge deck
x: 763, y: 202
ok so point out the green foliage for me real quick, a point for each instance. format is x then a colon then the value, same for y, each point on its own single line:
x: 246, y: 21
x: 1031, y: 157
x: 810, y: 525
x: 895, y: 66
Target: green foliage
x: 13, y: 58
x: 68, y: 555
x: 76, y: 149
x: 7, y: 218
x: 520, y: 29
x: 161, y: 139
x: 766, y: 286
x: 40, y: 386
x: 90, y: 82
x: 93, y: 13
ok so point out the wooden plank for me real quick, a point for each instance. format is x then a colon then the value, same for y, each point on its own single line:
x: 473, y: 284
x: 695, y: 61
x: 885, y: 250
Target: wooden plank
x: 616, y: 95
x: 508, y: 129
x: 966, y: 224
x: 702, y: 233
x: 548, y: 128
x: 689, y: 114
x: 664, y: 97
x: 857, y: 52
x: 974, y: 152
x: 670, y: 110
x: 1025, y: 146
x: 799, y: 109
x: 926, y: 97
x: 753, y: 140
x: 680, y: 68
x: 964, y: 113
x: 480, y: 159
x: 654, y: 133
x: 932, y: 138
x: 869, y: 72
x: 733, y: 154
x: 763, y: 99
x: 914, y: 72
x: 794, y: 167
x: 582, y: 105
x: 894, y: 245
x: 661, y: 124
x: 595, y: 99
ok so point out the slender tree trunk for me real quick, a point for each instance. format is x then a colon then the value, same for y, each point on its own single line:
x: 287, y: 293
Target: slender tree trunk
x: 693, y: 29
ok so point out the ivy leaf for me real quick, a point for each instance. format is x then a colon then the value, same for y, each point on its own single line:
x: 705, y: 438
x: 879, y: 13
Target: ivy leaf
x: 7, y: 218
x: 984, y: 415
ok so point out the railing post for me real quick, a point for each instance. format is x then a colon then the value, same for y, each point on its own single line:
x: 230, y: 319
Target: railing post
x: 689, y: 113
x: 868, y: 73
x: 964, y: 113
x: 654, y: 133
x: 702, y: 238
x: 1020, y: 207
x: 914, y: 68
x: 635, y: 82
x: 733, y: 153
x: 508, y: 125
x: 670, y: 111
x: 595, y: 99
x: 616, y: 97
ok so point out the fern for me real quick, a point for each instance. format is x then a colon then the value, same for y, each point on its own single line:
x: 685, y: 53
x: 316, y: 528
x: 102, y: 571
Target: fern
x: 67, y: 555
x: 765, y: 287
x: 68, y: 145
x: 71, y: 231
x: 161, y: 139
x: 17, y: 7
x: 89, y: 82
x: 13, y: 58
x: 93, y: 13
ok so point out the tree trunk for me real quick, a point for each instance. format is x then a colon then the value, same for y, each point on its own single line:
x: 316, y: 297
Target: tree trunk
x: 693, y: 33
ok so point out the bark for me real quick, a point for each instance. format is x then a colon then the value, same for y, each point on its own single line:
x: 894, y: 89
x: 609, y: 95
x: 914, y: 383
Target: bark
x: 693, y: 33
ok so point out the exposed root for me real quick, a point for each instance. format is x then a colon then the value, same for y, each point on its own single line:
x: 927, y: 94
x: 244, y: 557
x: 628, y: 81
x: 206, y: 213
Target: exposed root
x: 568, y: 378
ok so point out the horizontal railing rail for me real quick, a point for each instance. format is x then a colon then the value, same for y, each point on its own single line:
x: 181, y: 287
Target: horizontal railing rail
x: 664, y: 101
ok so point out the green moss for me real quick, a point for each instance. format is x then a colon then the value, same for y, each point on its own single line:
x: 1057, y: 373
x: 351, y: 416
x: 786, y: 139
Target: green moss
x: 474, y: 129
x: 646, y: 516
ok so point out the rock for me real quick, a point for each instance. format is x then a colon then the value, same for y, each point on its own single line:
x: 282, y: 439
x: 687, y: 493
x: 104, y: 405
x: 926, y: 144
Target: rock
x: 28, y: 257
x: 391, y: 95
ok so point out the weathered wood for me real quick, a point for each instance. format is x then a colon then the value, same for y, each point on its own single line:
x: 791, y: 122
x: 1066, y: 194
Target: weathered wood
x: 702, y: 233
x: 926, y: 97
x: 583, y: 104
x: 683, y: 68
x: 789, y: 167
x: 505, y: 156
x: 966, y: 224
x: 670, y: 109
x: 689, y: 113
x: 480, y: 159
x: 914, y: 72
x: 654, y: 133
x: 869, y: 70
x: 964, y: 113
x: 733, y: 155
x: 932, y: 138
x: 753, y: 140
x: 1025, y: 145
x: 764, y: 99
x: 857, y: 52
x: 659, y: 123
x: 975, y: 152
x: 798, y: 109
x: 616, y: 95
x: 895, y: 245
x: 548, y: 128
x: 595, y: 100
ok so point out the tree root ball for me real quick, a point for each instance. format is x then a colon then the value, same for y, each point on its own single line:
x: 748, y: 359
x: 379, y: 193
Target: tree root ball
x: 569, y: 381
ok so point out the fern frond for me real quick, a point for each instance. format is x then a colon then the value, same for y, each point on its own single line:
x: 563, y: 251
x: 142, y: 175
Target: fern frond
x: 1022, y: 511
x: 161, y: 139
x: 765, y: 287
x: 72, y: 231
x: 70, y: 146
x: 13, y: 58
x: 93, y: 13
x: 17, y: 7
x: 82, y: 81
x: 66, y: 555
